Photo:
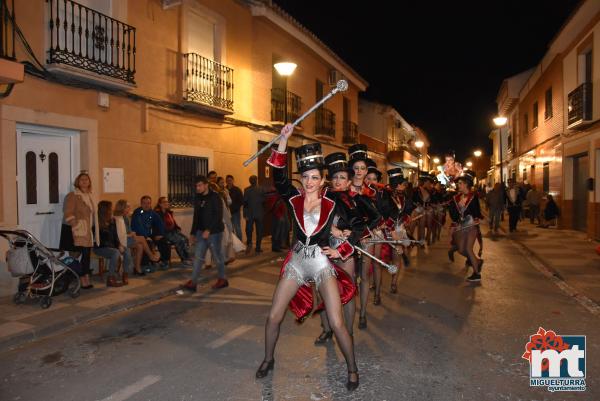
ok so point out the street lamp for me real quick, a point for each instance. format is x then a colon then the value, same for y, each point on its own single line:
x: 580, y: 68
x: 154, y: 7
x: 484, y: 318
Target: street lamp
x: 436, y: 160
x: 285, y: 69
x: 419, y: 144
x: 477, y: 153
x: 500, y: 122
x: 469, y: 164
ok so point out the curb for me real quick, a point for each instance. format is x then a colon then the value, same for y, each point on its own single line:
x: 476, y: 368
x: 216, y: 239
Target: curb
x: 11, y: 342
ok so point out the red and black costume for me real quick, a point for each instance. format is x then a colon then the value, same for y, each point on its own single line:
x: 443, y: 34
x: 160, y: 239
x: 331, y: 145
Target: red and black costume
x: 467, y: 213
x: 304, y: 263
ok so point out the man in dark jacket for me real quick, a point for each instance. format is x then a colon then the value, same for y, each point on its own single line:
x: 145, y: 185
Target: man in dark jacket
x: 207, y: 232
x: 514, y: 204
x: 254, y: 197
x: 237, y: 201
x: 147, y: 223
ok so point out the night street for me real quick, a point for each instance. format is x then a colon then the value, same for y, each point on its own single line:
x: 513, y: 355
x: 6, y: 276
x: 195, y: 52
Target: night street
x: 439, y: 338
x: 183, y: 181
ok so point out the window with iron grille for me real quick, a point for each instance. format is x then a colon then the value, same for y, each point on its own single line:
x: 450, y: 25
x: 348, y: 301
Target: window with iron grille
x: 534, y: 122
x: 181, y: 171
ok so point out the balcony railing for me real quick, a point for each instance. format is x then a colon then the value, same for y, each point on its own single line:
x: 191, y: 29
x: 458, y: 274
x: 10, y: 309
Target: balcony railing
x: 350, y: 133
x: 7, y: 30
x: 207, y: 82
x: 580, y: 105
x: 325, y: 122
x: 279, y: 111
x: 84, y: 38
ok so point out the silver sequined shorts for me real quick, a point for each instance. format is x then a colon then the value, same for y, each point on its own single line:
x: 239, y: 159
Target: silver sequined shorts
x: 308, y: 265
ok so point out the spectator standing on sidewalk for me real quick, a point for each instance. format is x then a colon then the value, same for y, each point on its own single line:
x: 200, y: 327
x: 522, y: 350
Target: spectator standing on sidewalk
x: 280, y: 227
x: 80, y: 231
x: 514, y: 204
x: 237, y: 201
x: 495, y: 202
x: 534, y: 198
x: 207, y: 232
x: 254, y: 197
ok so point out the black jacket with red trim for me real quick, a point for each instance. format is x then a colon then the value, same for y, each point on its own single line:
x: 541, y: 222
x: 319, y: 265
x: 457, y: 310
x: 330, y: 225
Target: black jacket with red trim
x: 393, y: 205
x: 418, y: 197
x: 355, y: 212
x: 472, y: 208
x: 295, y: 202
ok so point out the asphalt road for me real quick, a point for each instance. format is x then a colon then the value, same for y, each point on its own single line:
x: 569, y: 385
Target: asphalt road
x: 439, y: 338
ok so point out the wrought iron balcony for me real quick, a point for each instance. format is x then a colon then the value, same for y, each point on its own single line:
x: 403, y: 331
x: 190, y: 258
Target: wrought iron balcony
x: 350, y: 133
x: 285, y: 106
x: 325, y: 122
x: 11, y: 71
x: 208, y: 83
x: 580, y: 105
x: 7, y: 30
x: 89, y: 40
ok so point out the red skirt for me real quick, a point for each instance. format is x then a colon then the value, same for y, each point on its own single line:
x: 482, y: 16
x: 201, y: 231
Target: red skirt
x: 302, y: 305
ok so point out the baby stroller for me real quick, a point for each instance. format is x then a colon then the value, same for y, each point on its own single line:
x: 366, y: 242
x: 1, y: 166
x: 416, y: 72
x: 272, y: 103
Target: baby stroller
x: 42, y: 273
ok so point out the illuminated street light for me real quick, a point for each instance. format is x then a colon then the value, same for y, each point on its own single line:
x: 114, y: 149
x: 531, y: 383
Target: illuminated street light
x: 469, y: 164
x: 419, y: 144
x: 285, y: 68
x: 477, y: 153
x: 436, y: 160
x: 500, y: 121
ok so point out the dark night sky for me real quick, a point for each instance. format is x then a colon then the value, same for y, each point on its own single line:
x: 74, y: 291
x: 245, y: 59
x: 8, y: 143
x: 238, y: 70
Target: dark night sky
x: 451, y: 56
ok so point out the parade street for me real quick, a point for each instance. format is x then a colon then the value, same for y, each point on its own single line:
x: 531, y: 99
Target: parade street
x: 438, y: 338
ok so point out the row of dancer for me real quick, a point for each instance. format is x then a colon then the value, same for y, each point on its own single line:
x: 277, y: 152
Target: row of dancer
x: 333, y: 226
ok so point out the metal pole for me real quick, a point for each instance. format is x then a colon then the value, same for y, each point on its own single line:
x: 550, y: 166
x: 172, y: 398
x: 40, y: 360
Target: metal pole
x: 285, y: 104
x: 500, y: 142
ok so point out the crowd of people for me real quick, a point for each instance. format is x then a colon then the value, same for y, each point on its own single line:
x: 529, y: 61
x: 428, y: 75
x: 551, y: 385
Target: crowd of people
x: 521, y: 201
x: 139, y: 242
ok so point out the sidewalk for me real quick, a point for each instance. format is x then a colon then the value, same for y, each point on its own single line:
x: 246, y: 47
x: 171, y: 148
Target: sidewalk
x: 568, y: 254
x: 23, y: 323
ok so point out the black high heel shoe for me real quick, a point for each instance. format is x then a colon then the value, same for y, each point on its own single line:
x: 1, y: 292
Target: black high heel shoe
x: 352, y: 385
x: 262, y: 372
x: 324, y: 337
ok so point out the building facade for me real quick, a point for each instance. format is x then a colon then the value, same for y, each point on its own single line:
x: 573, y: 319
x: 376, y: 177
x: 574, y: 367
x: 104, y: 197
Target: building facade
x: 145, y: 94
x: 386, y: 129
x: 553, y: 131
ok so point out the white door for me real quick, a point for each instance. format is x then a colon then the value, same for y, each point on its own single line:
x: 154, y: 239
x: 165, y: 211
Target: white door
x: 44, y: 176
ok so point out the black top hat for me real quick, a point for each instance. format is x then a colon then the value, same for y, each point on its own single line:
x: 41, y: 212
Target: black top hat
x: 372, y: 168
x: 309, y: 157
x: 425, y: 176
x: 451, y: 153
x: 336, y: 162
x: 357, y: 152
x: 468, y: 176
x: 396, y: 176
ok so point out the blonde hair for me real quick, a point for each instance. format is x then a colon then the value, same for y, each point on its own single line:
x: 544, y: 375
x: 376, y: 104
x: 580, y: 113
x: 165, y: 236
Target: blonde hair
x: 120, y: 207
x: 76, y: 183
